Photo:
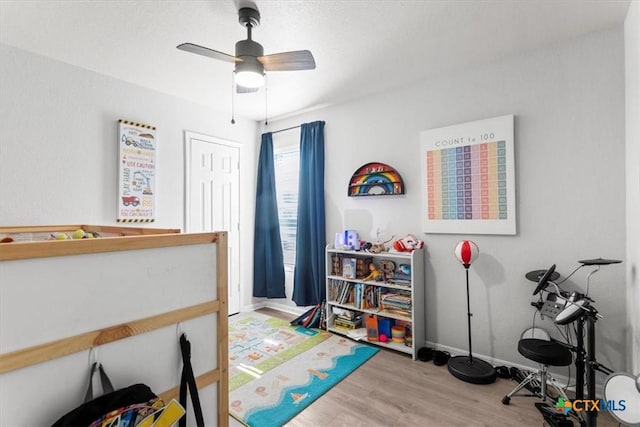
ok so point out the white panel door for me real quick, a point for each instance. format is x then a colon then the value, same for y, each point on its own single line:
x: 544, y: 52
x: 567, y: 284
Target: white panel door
x: 213, y: 197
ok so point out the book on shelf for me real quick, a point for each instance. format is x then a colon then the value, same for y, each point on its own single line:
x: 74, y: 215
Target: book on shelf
x: 400, y: 282
x: 396, y: 303
x: 395, y: 312
x: 396, y: 300
x: 339, y: 322
x: 349, y: 268
x: 340, y: 291
x: 344, y: 313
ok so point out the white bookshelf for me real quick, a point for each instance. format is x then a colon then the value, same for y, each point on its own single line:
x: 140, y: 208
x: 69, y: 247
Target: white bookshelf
x: 413, y: 286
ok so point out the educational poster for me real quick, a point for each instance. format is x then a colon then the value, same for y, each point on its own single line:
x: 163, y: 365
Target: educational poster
x: 137, y: 172
x: 469, y: 178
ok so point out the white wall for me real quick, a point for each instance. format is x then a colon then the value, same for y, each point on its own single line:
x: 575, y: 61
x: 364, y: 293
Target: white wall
x: 58, y: 140
x: 632, y: 110
x: 58, y: 146
x: 568, y: 100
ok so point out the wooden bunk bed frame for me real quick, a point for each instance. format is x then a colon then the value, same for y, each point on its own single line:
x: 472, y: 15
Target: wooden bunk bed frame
x: 123, y: 239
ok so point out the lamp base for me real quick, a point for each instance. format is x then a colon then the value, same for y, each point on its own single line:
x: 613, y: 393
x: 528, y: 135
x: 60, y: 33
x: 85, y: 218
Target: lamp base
x: 471, y: 370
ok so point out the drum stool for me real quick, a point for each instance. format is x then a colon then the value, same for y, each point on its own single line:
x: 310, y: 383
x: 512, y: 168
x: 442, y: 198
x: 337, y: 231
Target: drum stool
x: 546, y: 353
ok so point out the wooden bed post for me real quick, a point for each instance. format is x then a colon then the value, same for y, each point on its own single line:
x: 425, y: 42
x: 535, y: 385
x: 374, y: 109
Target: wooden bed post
x: 223, y: 328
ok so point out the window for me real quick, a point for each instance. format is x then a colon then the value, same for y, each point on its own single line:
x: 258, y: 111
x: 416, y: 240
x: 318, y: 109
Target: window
x: 286, y: 155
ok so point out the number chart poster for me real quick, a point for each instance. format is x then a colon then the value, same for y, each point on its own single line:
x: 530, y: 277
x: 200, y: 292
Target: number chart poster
x: 469, y: 178
x: 137, y: 172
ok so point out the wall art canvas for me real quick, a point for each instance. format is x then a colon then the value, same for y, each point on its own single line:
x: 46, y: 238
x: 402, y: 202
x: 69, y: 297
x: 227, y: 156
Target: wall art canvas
x: 136, y: 172
x: 468, y: 176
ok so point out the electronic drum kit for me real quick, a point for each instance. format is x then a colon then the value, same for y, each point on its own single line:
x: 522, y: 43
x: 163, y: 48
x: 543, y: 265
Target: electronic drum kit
x: 565, y: 308
x: 562, y: 306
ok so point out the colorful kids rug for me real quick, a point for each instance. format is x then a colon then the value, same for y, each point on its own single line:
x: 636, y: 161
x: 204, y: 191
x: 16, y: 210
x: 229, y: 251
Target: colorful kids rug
x: 277, y: 370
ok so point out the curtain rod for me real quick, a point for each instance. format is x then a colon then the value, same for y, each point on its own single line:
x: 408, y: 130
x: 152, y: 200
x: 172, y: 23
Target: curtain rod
x: 285, y: 129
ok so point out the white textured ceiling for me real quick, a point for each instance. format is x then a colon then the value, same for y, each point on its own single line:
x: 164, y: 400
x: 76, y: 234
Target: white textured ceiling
x: 360, y: 47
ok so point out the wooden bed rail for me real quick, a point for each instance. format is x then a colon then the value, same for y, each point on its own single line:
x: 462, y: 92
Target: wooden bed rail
x: 66, y: 346
x: 54, y: 248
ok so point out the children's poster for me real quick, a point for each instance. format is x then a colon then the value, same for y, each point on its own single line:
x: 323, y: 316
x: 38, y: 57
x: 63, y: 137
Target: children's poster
x: 468, y: 178
x: 137, y: 172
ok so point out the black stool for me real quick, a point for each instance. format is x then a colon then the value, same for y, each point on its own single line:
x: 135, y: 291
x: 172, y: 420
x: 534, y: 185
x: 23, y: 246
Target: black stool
x: 546, y: 353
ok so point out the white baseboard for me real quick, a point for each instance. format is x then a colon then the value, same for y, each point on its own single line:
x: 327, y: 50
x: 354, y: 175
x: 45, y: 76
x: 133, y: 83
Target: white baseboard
x: 252, y: 307
x: 297, y: 311
x: 286, y: 308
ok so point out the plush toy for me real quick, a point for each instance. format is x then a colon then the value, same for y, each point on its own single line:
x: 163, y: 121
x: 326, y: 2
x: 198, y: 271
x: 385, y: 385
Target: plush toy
x: 408, y: 244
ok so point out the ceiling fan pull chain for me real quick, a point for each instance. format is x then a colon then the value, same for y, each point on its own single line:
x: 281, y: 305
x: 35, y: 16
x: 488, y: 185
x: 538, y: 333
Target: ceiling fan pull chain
x: 266, y: 121
x: 233, y: 97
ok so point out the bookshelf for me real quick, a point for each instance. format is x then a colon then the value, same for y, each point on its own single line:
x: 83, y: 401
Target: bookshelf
x: 393, y: 301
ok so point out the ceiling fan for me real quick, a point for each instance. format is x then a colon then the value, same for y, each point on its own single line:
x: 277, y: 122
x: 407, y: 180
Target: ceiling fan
x: 250, y: 60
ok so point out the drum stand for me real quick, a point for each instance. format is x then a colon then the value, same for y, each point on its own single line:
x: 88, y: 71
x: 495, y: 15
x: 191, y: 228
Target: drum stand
x: 586, y: 363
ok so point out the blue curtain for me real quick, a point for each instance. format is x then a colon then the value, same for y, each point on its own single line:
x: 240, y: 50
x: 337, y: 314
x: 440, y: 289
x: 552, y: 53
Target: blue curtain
x: 309, y: 279
x: 268, y: 262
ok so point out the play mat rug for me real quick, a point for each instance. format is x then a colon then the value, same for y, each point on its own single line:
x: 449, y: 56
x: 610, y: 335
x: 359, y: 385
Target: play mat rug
x: 276, y: 370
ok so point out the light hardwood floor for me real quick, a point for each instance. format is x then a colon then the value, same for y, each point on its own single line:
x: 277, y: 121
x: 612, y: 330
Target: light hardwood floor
x: 392, y: 390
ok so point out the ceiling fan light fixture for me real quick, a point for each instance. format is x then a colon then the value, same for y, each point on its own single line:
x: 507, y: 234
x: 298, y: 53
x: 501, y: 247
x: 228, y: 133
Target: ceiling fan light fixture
x: 249, y: 74
x: 250, y: 60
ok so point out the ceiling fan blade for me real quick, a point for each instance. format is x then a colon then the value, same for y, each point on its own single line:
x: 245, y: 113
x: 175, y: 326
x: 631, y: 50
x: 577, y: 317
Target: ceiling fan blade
x: 288, y: 61
x: 242, y: 89
x: 205, y: 51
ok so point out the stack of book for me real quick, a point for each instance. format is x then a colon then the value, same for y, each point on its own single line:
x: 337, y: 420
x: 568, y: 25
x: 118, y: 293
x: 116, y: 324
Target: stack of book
x: 340, y: 291
x: 346, y: 319
x: 396, y: 303
x: 366, y: 296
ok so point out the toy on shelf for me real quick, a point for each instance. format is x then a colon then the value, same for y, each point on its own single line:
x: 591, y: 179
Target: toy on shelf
x: 408, y: 244
x: 58, y: 236
x: 76, y: 235
x: 374, y: 273
x: 388, y: 270
x: 348, y: 240
x: 380, y: 247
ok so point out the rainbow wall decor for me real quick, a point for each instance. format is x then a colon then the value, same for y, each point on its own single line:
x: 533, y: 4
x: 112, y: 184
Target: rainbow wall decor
x: 375, y: 179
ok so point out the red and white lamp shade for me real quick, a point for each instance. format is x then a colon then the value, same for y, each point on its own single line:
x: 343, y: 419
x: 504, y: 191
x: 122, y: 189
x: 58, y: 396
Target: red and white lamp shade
x: 466, y: 251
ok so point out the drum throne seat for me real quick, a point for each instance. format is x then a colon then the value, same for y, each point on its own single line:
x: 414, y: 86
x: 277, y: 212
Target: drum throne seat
x: 546, y: 353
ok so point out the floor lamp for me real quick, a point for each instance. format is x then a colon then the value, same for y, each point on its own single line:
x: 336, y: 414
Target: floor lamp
x: 468, y: 368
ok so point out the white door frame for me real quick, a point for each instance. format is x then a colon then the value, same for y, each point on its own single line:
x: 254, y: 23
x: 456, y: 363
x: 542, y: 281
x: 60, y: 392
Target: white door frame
x: 188, y: 137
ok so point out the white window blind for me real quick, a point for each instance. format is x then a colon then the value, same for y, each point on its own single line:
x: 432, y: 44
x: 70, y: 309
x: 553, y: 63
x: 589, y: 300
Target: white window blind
x: 287, y: 166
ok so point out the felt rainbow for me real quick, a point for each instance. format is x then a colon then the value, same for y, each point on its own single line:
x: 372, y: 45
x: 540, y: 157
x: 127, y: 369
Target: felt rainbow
x: 375, y: 179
